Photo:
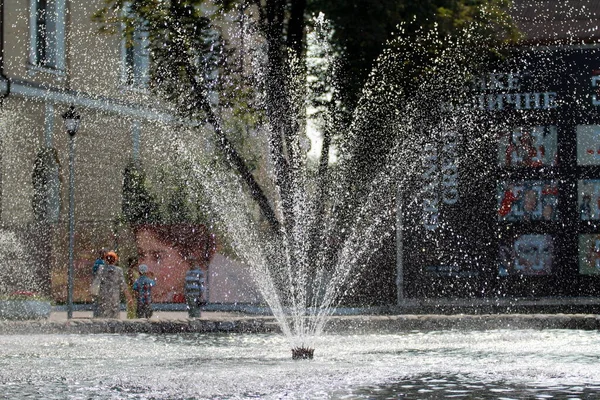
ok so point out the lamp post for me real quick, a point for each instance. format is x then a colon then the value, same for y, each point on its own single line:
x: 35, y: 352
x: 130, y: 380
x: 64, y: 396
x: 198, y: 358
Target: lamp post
x: 71, y: 119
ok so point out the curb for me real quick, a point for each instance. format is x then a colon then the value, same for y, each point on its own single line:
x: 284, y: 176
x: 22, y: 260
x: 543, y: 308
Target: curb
x: 94, y: 326
x: 433, y: 322
x: 361, y: 324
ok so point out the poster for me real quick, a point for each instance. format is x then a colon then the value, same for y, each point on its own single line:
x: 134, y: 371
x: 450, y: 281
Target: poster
x: 589, y: 254
x: 528, y: 147
x: 588, y: 144
x: 588, y: 199
x: 530, y: 254
x: 522, y: 201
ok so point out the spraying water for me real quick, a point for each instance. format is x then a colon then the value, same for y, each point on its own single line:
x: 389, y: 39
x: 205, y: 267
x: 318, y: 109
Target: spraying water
x: 332, y: 225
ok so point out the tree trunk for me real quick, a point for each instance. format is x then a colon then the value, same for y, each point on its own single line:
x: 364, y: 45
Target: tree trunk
x: 231, y: 154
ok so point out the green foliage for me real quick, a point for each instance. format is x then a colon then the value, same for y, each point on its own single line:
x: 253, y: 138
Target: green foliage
x: 176, y: 200
x: 189, y: 53
x: 178, y: 209
x: 185, y: 46
x: 139, y: 205
x: 174, y: 194
x: 362, y: 29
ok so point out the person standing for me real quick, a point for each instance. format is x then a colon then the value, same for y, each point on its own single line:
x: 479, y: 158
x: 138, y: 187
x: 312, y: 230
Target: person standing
x: 194, y: 289
x: 143, y: 286
x: 111, y: 283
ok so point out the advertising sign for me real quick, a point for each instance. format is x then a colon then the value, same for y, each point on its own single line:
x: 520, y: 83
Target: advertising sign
x: 589, y: 199
x: 588, y: 144
x: 589, y: 254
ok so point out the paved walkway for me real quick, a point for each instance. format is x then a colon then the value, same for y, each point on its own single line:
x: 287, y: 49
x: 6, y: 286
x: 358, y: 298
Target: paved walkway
x: 157, y: 315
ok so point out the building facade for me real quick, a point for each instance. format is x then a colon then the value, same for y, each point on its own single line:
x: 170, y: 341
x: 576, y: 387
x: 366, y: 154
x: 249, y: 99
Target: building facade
x: 54, y: 57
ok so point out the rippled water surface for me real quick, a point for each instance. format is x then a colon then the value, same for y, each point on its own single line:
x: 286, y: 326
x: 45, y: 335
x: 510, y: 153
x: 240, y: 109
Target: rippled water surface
x: 501, y: 364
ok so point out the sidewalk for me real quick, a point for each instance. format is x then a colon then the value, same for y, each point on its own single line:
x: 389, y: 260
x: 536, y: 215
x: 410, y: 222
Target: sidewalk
x: 157, y: 315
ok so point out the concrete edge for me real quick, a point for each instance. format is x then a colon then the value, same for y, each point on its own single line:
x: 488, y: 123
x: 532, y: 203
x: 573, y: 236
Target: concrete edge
x: 119, y: 326
x: 360, y: 324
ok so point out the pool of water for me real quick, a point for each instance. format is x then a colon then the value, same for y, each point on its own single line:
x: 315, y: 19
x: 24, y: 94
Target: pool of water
x: 499, y: 364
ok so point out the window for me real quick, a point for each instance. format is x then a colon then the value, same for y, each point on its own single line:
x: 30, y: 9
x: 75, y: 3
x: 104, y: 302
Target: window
x: 47, y: 34
x: 136, y: 56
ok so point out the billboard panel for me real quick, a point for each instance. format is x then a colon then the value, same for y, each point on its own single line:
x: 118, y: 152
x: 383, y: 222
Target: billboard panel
x: 520, y: 201
x: 589, y: 254
x: 588, y: 144
x: 533, y: 146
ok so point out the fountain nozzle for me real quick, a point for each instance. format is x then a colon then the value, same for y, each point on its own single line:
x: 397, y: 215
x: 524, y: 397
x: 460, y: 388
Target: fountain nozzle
x: 302, y: 353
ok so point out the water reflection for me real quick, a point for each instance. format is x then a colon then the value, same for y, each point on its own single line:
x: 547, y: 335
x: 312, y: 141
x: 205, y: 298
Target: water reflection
x: 460, y: 387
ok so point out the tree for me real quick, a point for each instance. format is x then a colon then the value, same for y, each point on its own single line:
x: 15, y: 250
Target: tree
x: 184, y: 45
x: 139, y: 205
x: 187, y: 50
x: 362, y: 30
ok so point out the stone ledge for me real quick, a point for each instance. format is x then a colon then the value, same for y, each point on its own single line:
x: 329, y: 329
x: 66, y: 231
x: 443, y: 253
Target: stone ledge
x: 338, y: 324
x: 388, y: 324
x: 91, y: 326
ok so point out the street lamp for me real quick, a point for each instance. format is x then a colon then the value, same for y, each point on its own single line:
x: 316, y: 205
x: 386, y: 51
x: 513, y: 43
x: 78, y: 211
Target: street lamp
x: 71, y: 119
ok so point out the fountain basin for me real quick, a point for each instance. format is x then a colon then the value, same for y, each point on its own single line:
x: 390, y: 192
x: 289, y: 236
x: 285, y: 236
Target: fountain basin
x: 519, y: 363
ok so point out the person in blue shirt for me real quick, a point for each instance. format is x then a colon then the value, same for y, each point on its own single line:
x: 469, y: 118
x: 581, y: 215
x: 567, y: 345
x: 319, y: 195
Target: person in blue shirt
x: 194, y: 288
x: 143, y: 286
x: 100, y: 261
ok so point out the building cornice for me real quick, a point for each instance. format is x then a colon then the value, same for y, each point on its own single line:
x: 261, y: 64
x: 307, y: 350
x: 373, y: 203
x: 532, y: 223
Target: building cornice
x: 31, y: 90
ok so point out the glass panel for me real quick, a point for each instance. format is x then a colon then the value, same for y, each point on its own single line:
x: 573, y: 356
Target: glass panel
x: 50, y: 60
x: 527, y: 255
x: 137, y: 55
x: 46, y: 41
x: 528, y: 147
x: 528, y: 201
x: 589, y: 254
x: 140, y: 57
x: 41, y: 34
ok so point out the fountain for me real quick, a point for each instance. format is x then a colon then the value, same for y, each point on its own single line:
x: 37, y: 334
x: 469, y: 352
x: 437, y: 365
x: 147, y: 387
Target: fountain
x: 326, y: 235
x: 307, y: 262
